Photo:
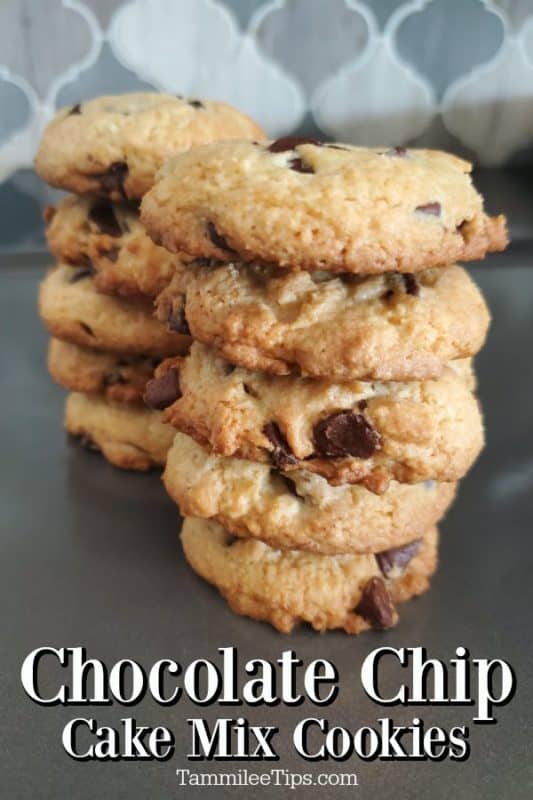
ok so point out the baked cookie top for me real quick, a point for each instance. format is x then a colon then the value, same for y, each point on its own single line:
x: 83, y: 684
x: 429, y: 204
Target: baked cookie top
x: 353, y: 432
x: 303, y: 204
x: 339, y: 327
x: 115, y: 145
x: 352, y: 592
x: 74, y: 311
x: 299, y: 510
x: 92, y: 231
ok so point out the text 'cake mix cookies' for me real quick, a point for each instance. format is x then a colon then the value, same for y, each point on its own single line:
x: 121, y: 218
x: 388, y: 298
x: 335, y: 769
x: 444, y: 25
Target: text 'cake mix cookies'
x: 326, y: 409
x: 97, y: 302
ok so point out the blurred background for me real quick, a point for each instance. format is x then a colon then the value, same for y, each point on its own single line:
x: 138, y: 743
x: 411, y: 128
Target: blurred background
x: 455, y: 74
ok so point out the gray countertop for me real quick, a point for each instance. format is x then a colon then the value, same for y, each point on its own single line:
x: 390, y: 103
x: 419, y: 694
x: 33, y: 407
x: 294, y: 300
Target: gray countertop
x: 90, y: 556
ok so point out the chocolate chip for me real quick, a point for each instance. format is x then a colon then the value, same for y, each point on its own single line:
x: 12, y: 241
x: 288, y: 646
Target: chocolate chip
x: 217, y: 239
x: 111, y: 254
x: 87, y: 328
x: 80, y: 274
x: 346, y: 434
x: 290, y: 142
x: 75, y: 110
x: 362, y: 404
x: 162, y: 392
x: 434, y: 209
x: 376, y: 606
x: 112, y: 180
x: 398, y: 152
x: 177, y: 322
x: 196, y: 103
x: 397, y: 558
x: 298, y: 165
x: 103, y: 216
x: 282, y: 454
x: 411, y: 284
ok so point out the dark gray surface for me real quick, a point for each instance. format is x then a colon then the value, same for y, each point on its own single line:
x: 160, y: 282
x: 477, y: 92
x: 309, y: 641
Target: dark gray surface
x: 90, y: 556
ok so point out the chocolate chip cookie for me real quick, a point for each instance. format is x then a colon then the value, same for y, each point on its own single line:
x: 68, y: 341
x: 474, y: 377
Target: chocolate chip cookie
x: 302, y: 204
x: 92, y: 231
x: 387, y: 327
x: 119, y: 378
x: 128, y: 436
x: 350, y: 432
x: 113, y: 146
x: 299, y: 509
x: 352, y: 592
x: 74, y: 311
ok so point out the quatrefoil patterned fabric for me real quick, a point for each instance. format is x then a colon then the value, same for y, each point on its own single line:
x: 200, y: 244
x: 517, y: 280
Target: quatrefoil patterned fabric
x: 456, y: 74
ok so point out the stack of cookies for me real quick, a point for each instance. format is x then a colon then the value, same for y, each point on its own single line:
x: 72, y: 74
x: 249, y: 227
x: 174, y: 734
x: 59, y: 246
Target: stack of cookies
x: 97, y: 302
x: 326, y: 410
